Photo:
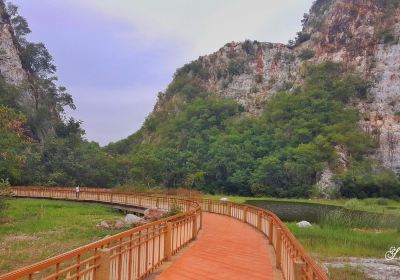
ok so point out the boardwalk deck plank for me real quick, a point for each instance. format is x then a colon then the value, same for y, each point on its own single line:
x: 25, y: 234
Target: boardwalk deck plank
x: 226, y: 249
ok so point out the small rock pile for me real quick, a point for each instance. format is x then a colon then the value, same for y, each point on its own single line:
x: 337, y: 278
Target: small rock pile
x: 131, y: 220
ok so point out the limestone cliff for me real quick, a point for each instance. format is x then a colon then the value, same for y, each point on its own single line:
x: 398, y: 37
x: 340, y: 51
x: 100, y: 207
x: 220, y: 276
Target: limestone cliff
x: 361, y: 34
x: 10, y: 63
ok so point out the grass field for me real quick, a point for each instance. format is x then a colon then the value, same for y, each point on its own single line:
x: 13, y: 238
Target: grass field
x: 330, y: 241
x: 374, y: 205
x: 32, y: 230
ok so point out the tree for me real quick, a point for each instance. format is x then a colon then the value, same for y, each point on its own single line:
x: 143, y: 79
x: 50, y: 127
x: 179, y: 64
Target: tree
x: 13, y: 144
x: 193, y: 178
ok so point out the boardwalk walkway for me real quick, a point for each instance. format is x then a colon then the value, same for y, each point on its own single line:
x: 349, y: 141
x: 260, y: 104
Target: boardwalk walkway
x: 225, y: 249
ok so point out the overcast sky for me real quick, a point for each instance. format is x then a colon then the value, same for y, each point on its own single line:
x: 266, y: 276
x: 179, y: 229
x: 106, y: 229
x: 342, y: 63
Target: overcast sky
x: 114, y: 56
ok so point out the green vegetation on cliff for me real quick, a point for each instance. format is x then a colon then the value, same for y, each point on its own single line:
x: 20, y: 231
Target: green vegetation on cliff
x: 281, y: 153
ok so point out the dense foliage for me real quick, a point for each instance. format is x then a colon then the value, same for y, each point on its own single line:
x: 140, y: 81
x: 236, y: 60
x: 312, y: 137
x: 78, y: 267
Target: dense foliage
x: 202, y: 141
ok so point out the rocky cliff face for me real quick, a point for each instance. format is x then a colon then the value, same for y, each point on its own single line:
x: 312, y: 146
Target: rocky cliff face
x: 363, y: 35
x: 10, y: 63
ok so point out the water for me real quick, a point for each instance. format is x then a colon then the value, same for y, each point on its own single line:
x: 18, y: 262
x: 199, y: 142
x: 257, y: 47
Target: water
x: 319, y: 213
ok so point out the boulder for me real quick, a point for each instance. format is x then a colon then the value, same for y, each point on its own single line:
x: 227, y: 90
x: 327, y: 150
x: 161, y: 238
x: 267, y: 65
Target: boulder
x: 103, y: 224
x: 119, y: 224
x: 154, y: 214
x: 303, y: 224
x: 131, y: 219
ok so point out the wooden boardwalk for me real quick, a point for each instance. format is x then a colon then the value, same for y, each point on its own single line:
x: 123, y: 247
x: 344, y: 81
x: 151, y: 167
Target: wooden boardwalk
x: 226, y: 249
x: 233, y: 243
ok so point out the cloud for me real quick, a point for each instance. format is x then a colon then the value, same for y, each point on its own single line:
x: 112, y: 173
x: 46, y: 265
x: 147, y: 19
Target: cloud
x: 204, y: 26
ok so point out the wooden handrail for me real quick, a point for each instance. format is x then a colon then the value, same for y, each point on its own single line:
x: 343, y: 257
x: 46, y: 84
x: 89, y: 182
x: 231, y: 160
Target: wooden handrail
x: 135, y: 253
x: 292, y: 259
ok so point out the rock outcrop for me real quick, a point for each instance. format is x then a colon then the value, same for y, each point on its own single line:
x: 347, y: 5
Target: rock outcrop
x: 10, y: 63
x: 363, y: 35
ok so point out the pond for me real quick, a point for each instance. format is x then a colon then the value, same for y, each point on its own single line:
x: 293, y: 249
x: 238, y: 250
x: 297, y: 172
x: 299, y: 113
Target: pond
x: 319, y: 213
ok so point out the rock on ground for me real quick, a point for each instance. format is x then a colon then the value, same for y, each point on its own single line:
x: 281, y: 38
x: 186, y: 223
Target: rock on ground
x: 132, y: 219
x: 303, y: 224
x: 154, y: 214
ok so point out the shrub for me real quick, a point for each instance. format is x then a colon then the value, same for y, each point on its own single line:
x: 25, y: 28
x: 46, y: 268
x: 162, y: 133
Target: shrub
x: 306, y: 54
x: 248, y: 47
x: 194, y: 68
x: 302, y: 37
x: 4, y: 193
x: 369, y: 179
x: 236, y: 67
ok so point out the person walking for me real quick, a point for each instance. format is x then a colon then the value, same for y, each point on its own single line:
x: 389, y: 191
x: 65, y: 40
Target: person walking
x: 77, y: 190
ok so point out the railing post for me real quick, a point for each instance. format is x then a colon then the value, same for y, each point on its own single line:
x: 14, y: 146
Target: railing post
x: 229, y: 209
x: 209, y: 206
x: 157, y: 203
x: 278, y: 248
x: 201, y: 219
x: 244, y: 214
x: 259, y: 221
x: 299, y: 270
x: 270, y: 230
x: 168, y: 241
x: 102, y: 272
x: 194, y: 228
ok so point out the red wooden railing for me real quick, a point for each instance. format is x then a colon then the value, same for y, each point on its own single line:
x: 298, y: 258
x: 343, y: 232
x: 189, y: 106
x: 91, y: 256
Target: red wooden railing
x: 291, y: 258
x: 137, y: 252
x: 132, y: 254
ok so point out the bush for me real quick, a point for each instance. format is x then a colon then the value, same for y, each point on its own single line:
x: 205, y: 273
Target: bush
x: 368, y: 179
x: 248, y: 47
x: 306, y: 54
x: 259, y: 78
x: 4, y: 193
x: 236, y: 67
x: 195, y: 68
x: 302, y: 37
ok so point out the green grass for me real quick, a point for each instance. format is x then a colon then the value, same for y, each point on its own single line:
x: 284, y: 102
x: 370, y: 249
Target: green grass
x: 330, y: 241
x: 374, y: 205
x: 32, y: 230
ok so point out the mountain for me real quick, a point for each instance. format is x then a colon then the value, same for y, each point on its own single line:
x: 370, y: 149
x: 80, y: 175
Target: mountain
x: 362, y: 36
x: 319, y: 116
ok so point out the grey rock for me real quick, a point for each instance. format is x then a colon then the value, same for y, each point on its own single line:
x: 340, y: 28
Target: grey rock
x: 119, y: 224
x: 304, y: 224
x: 132, y: 219
x: 103, y: 224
